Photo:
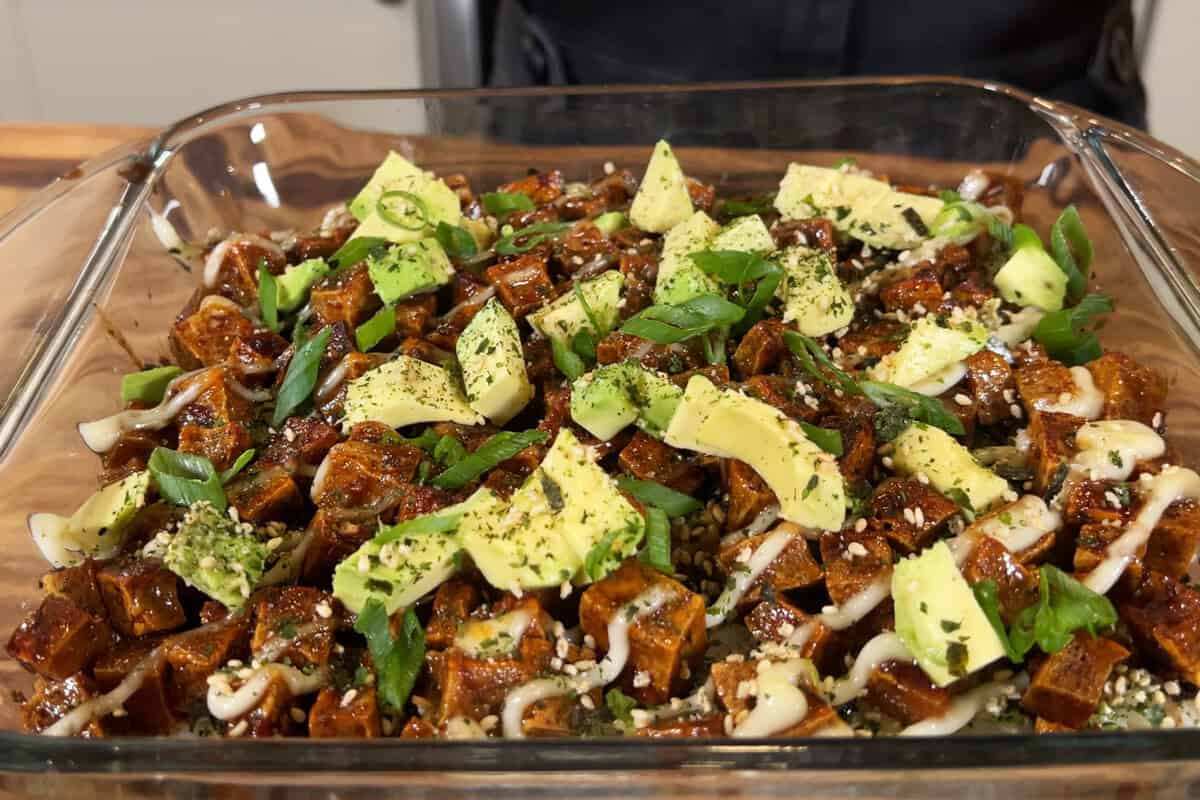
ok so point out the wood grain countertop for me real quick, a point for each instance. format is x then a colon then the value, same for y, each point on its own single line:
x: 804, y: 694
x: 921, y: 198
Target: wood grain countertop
x: 33, y: 154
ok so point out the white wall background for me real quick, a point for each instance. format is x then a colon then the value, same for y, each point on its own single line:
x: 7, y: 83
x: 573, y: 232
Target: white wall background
x: 153, y: 61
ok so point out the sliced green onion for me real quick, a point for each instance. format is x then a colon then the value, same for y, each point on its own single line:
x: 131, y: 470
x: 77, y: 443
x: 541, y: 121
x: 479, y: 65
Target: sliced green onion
x: 355, y: 250
x: 666, y: 324
x: 501, y: 447
x: 437, y: 522
x: 240, y: 464
x: 397, y: 660
x: 500, y: 203
x: 149, y: 385
x: 916, y: 406
x: 1069, y: 334
x: 529, y: 237
x: 810, y: 354
x: 1072, y: 251
x: 268, y: 296
x: 457, y: 243
x: 567, y: 361
x: 186, y: 478
x: 301, y: 376
x: 381, y: 325
x: 828, y: 440
x: 657, y: 552
x: 653, y: 493
x: 414, y: 218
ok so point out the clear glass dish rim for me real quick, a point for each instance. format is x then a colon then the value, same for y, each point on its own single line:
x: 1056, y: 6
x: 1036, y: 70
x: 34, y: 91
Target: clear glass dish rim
x: 30, y: 753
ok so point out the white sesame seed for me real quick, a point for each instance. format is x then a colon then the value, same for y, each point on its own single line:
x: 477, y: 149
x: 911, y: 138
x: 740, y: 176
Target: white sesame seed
x: 234, y: 663
x: 364, y: 564
x: 561, y: 648
x: 349, y: 696
x: 860, y: 525
x: 245, y: 674
x: 239, y: 729
x: 609, y: 168
x: 920, y: 517
x: 887, y: 462
x: 273, y: 543
x: 922, y: 479
x: 857, y: 548
x: 641, y: 678
x: 1172, y: 688
x: 962, y: 399
x: 298, y: 714
x: 786, y: 629
x: 289, y: 434
x: 564, y: 590
x: 233, y: 513
x: 570, y: 669
x: 1159, y: 697
x: 120, y: 712
x: 910, y: 517
x: 1157, y: 421
x: 323, y: 610
x: 1008, y: 396
x: 587, y: 702
x: 1122, y: 686
x: 1167, y: 722
x: 489, y: 723
x: 1015, y: 410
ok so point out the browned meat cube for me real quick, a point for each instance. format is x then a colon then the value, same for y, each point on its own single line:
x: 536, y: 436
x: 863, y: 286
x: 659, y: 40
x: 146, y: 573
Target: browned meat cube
x: 272, y: 716
x: 921, y: 288
x: 77, y: 584
x: 775, y: 621
x: 237, y: 273
x: 1043, y: 383
x: 760, y: 349
x: 717, y: 373
x: 582, y: 245
x: 426, y: 351
x: 748, y: 493
x: 523, y: 284
x: 858, y: 445
x: 1173, y: 543
x: 671, y: 359
x: 347, y: 296
x: 702, y: 195
x: 205, y: 337
x: 221, y: 444
x: 893, y: 512
x: 666, y: 644
x: 336, y: 533
x: 142, y: 596
x: 196, y: 654
x: 1016, y: 585
x: 357, y: 474
x: 53, y: 700
x: 253, y: 357
x: 551, y: 718
x: 1131, y: 391
x: 220, y: 401
x: 1067, y: 687
x: 475, y: 687
x: 468, y: 295
x: 781, y: 393
x: 873, y: 341
x: 904, y: 691
x: 649, y: 459
x: 1046, y: 726
x: 640, y: 273
x: 847, y: 573
x: 703, y: 727
x: 302, y: 440
x: 793, y: 568
x: 131, y: 453
x: 988, y: 378
x: 452, y: 605
x: 540, y: 187
x: 1052, y: 443
x: 332, y: 717
x: 974, y: 291
x: 417, y: 728
x: 418, y: 500
x: 1164, y: 617
x: 265, y: 494
x: 148, y: 710
x: 813, y: 232
x: 1090, y: 549
x: 1089, y: 501
x: 59, y: 639
x: 313, y: 245
x: 729, y: 675
x: 295, y: 622
x: 414, y: 316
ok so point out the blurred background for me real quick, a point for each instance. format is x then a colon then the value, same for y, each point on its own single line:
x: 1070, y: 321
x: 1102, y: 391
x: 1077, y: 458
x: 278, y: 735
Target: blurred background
x: 71, y: 70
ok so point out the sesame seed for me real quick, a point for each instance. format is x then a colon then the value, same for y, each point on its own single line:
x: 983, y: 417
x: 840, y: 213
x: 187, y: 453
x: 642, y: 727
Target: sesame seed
x: 349, y: 696
x: 387, y: 726
x: 323, y: 610
x: 962, y: 399
x: 239, y: 729
x: 1167, y: 722
x: 1172, y: 688
x: 233, y: 513
x: 1157, y: 421
x: 609, y: 168
x: 564, y: 590
x: 887, y: 462
x: 273, y: 544
x: 120, y: 712
x: 245, y: 674
x: 910, y: 517
x: 1122, y: 686
x: 234, y: 663
x: 1008, y: 396
x: 856, y: 548
x: 1015, y: 410
x: 786, y: 629
x: 489, y: 723
x: 298, y: 714
x: 920, y: 517
x: 289, y: 434
x: 860, y: 525
x: 587, y: 702
x: 922, y: 479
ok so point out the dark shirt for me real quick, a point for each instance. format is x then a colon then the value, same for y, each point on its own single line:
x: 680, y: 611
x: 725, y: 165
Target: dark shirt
x: 1081, y: 52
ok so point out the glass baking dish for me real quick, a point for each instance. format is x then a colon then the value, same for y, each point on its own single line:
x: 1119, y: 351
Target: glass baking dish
x: 90, y: 283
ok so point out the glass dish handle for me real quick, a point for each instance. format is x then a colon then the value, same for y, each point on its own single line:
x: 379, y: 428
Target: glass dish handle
x: 74, y: 232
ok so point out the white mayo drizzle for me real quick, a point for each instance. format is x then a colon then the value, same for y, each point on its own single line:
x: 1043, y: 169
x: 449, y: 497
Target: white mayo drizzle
x: 942, y: 381
x: 841, y: 617
x: 881, y: 649
x: 1019, y: 326
x: 780, y: 702
x: 1130, y: 441
x: 519, y: 699
x: 212, y: 264
x: 964, y: 708
x: 1160, y: 491
x: 101, y: 435
x: 766, y: 553
x: 253, y: 395
x: 274, y: 647
x: 227, y: 706
x: 1086, y: 401
x: 489, y: 637
x: 1029, y: 519
x: 334, y: 379
x: 318, y: 481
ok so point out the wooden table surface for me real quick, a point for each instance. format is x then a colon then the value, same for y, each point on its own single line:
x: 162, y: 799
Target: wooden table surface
x: 34, y: 153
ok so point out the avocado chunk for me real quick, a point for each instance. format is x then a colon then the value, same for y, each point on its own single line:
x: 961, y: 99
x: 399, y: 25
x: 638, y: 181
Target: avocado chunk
x: 679, y: 279
x: 405, y: 391
x: 728, y: 424
x: 662, y: 200
x: 97, y: 528
x: 812, y: 295
x: 610, y: 222
x: 293, y: 285
x: 401, y: 572
x: 407, y: 269
x: 556, y: 523
x: 747, y: 234
x: 220, y: 557
x: 1031, y: 277
x: 930, y: 347
x: 613, y: 396
x: 865, y: 208
x: 924, y: 449
x: 938, y: 618
x: 493, y: 364
x: 395, y: 170
x: 566, y: 316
